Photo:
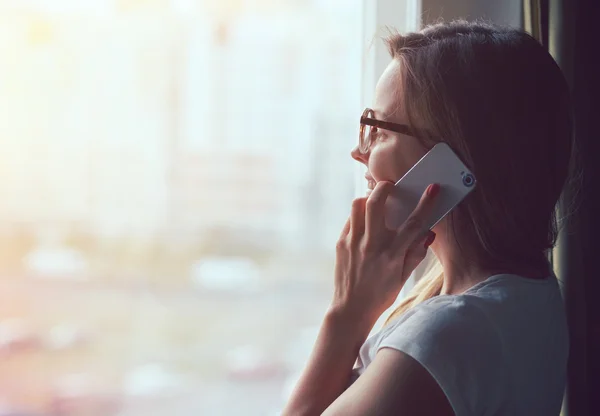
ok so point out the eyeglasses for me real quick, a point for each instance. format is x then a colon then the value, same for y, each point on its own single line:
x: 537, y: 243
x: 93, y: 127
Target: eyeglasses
x: 369, y: 126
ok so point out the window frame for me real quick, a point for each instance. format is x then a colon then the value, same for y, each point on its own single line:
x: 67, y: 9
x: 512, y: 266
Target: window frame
x: 405, y: 16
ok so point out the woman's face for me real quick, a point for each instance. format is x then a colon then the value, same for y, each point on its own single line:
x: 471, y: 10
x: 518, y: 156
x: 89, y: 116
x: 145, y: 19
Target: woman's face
x: 391, y: 154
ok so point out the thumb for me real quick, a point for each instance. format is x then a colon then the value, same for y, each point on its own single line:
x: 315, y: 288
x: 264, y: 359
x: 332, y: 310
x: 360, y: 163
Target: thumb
x: 417, y: 252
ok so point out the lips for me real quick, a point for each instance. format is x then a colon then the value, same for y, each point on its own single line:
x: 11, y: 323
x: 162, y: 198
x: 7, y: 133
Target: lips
x: 370, y: 182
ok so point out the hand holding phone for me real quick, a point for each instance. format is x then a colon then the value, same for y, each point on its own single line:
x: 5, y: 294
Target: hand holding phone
x: 440, y: 165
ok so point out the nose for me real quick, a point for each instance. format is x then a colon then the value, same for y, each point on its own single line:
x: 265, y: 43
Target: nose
x: 361, y: 157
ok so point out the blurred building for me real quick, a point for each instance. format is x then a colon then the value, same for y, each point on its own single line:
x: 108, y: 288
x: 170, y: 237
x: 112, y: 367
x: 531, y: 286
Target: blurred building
x: 274, y: 136
x: 149, y: 122
x: 146, y: 124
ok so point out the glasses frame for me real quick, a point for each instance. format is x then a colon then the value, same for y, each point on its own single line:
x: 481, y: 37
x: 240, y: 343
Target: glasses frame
x: 364, y: 143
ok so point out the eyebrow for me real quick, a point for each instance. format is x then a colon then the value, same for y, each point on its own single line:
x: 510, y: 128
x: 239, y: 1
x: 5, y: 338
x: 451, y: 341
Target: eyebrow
x: 386, y: 117
x: 381, y: 115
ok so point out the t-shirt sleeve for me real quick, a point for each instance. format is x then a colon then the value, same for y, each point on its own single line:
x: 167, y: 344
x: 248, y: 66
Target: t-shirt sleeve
x: 459, y: 346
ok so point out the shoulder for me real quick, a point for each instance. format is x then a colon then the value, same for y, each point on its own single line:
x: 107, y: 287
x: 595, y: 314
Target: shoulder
x: 394, y: 383
x: 455, y: 341
x: 443, y: 317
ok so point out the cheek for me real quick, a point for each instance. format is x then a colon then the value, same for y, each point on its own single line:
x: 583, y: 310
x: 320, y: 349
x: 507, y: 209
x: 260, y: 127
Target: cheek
x: 387, y: 163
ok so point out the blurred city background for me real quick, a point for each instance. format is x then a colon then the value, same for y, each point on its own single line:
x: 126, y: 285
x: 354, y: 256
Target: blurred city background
x: 173, y: 177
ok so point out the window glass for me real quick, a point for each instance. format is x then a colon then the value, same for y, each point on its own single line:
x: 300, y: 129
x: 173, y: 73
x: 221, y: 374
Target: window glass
x: 173, y: 177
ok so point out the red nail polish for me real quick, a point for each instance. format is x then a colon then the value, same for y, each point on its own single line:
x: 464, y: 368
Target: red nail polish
x: 430, y: 239
x: 433, y: 189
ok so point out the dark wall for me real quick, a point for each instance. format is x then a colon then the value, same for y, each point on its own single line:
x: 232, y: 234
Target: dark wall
x: 586, y: 94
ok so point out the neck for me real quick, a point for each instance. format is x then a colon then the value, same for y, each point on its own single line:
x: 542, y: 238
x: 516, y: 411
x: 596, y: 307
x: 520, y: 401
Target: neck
x: 460, y: 277
x: 461, y: 274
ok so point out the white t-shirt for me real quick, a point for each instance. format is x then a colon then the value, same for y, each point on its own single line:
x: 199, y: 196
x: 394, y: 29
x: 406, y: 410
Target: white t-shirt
x: 500, y: 348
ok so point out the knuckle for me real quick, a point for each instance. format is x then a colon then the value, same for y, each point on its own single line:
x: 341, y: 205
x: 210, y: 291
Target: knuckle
x: 341, y: 244
x: 368, y: 247
x: 371, y: 202
x: 386, y: 185
x: 358, y: 202
x: 354, y: 239
x: 413, y: 223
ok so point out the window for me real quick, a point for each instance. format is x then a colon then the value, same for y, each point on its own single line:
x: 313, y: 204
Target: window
x: 174, y: 176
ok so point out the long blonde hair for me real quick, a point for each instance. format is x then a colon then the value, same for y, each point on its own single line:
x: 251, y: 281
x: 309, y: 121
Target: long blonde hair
x: 497, y: 97
x: 429, y: 284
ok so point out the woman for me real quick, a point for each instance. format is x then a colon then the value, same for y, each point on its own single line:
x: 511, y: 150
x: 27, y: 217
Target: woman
x: 488, y: 335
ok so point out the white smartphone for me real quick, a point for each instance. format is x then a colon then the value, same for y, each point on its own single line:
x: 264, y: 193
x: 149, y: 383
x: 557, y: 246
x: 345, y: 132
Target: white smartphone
x: 440, y: 165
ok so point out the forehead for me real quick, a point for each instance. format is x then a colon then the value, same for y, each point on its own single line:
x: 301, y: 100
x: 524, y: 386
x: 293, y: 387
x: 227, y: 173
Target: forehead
x: 388, y: 104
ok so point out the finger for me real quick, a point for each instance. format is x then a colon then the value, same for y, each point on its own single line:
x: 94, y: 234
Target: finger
x: 345, y: 229
x: 357, y: 219
x: 417, y: 252
x: 375, y: 209
x: 416, y: 224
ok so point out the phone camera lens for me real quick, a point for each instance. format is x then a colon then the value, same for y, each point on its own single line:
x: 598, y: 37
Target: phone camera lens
x: 468, y: 180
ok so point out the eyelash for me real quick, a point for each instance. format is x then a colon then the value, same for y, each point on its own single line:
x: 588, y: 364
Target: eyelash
x: 376, y: 134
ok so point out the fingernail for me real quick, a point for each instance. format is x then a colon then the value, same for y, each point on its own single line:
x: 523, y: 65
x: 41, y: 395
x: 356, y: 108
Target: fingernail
x: 433, y: 189
x: 430, y: 239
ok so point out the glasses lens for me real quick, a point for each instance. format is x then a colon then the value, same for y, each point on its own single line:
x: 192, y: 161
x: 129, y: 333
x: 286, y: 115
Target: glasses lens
x: 365, y: 133
x: 367, y: 139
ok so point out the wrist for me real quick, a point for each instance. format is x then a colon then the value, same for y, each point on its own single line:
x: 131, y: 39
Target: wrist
x: 349, y: 323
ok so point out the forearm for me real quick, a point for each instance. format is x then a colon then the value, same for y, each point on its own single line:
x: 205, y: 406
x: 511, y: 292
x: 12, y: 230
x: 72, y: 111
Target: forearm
x: 329, y: 367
